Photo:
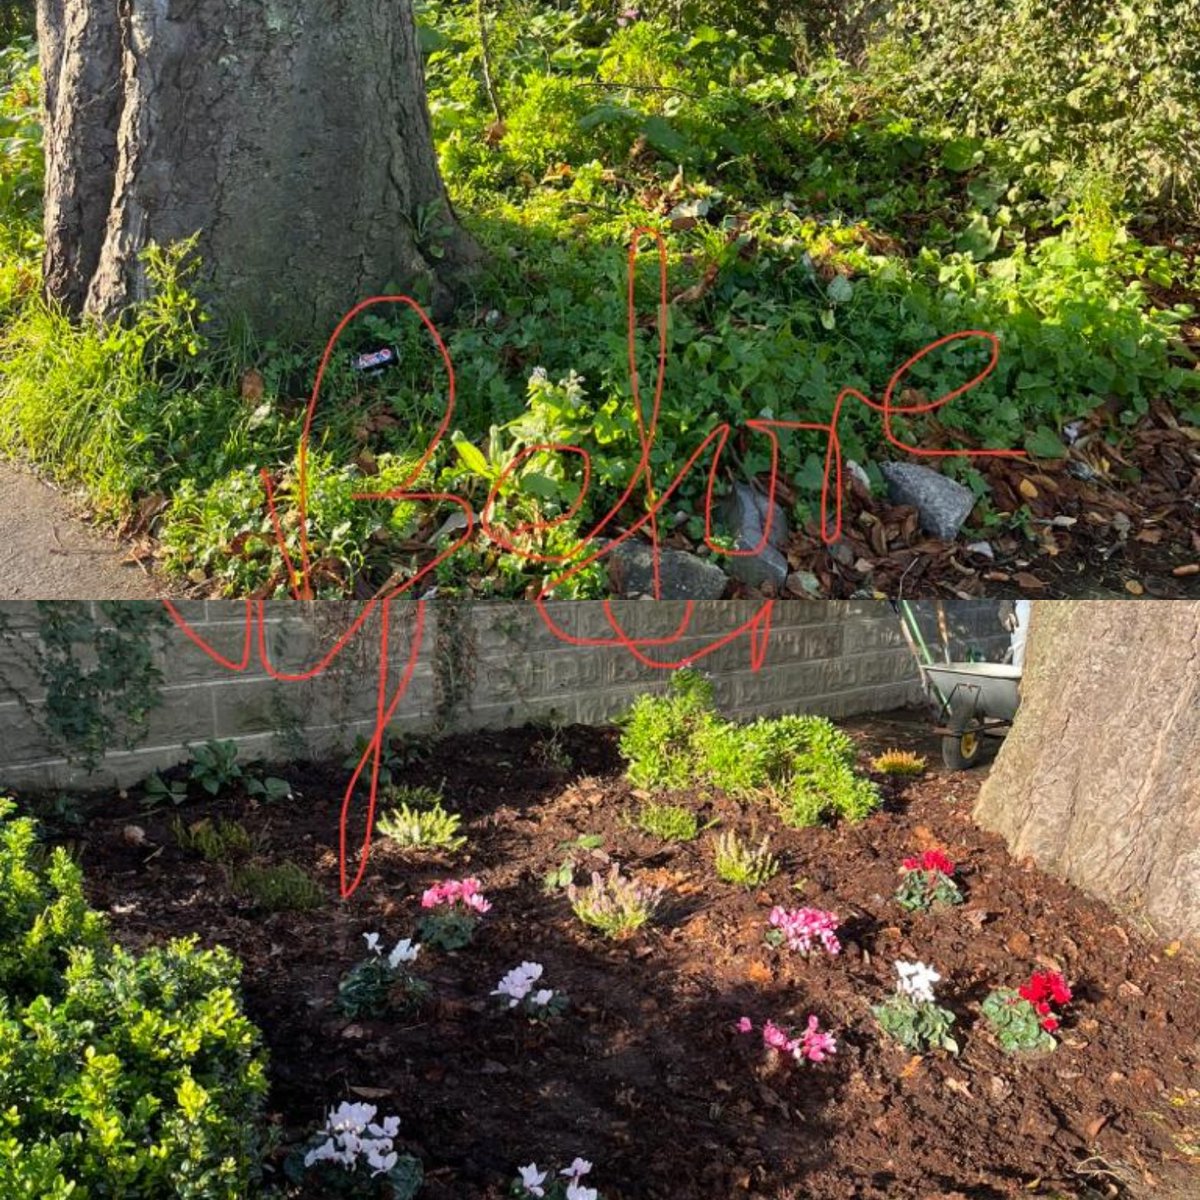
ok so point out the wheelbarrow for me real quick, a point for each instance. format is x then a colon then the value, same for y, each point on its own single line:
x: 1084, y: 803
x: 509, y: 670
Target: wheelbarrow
x: 975, y: 700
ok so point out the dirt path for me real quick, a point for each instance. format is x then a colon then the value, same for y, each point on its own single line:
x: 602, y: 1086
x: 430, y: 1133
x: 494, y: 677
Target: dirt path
x: 49, y: 553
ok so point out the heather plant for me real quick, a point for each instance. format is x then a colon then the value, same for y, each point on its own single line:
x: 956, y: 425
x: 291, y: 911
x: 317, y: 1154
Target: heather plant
x: 1024, y: 1020
x: 614, y: 903
x: 431, y: 828
x: 381, y: 983
x: 354, y: 1154
x: 899, y: 762
x: 452, y: 910
x: 742, y: 863
x: 928, y: 881
x: 912, y: 1016
x: 43, y: 912
x: 670, y: 822
x: 142, y: 1078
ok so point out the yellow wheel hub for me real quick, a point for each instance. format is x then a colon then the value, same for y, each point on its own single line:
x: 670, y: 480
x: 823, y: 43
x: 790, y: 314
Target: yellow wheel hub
x: 968, y: 744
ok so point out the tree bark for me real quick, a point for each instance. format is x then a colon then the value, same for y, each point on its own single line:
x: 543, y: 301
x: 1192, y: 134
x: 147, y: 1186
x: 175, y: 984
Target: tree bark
x: 1099, y: 780
x: 292, y: 136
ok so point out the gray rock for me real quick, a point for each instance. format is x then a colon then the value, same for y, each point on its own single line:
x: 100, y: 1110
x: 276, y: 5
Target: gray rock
x: 683, y: 576
x: 806, y: 583
x: 744, y: 513
x: 942, y: 503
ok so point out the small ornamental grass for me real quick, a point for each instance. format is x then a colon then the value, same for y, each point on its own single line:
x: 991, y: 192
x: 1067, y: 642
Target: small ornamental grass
x: 800, y: 929
x: 1024, y: 1020
x: 670, y: 822
x: 927, y: 882
x: 912, y: 1016
x: 382, y: 983
x: 899, y: 762
x: 534, y: 1182
x: 423, y: 828
x: 452, y: 911
x: 353, y: 1154
x: 742, y: 864
x: 516, y: 990
x: 614, y: 903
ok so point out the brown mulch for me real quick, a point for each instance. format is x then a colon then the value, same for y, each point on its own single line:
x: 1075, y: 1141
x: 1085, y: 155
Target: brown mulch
x: 645, y: 1075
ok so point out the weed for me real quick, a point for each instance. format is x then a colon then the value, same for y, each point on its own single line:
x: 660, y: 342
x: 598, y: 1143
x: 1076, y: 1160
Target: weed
x: 564, y: 874
x: 218, y: 841
x: 158, y: 791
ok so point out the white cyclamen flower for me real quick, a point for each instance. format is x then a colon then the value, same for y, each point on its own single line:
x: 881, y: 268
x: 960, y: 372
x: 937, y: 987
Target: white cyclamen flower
x: 404, y: 952
x: 579, y: 1167
x: 532, y: 1179
x: 542, y: 998
x: 350, y: 1116
x: 517, y: 984
x: 576, y: 1191
x: 916, y: 981
x: 372, y: 940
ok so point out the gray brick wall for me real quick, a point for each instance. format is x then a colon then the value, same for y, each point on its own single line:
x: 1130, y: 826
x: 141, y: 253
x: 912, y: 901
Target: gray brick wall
x: 489, y: 665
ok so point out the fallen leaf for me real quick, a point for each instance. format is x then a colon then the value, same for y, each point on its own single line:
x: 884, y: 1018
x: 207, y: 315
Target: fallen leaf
x: 759, y: 972
x: 911, y: 1067
x: 1098, y: 1124
x: 1030, y: 583
x: 1173, y: 949
x: 252, y: 386
x: 1134, y: 587
x: 1027, y: 489
x: 1186, y: 569
x: 370, y: 1093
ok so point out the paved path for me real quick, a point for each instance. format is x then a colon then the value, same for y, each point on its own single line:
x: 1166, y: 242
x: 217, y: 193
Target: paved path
x: 49, y: 553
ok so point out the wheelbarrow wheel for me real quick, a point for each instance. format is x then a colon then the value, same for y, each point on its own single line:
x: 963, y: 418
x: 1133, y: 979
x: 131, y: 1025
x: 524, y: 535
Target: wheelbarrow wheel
x: 963, y: 748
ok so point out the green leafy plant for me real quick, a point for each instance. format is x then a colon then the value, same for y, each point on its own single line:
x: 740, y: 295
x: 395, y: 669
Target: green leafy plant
x: 270, y: 788
x: 158, y: 791
x: 382, y: 983
x: 564, y: 874
x: 614, y: 904
x: 1015, y: 1023
x: 423, y: 828
x: 741, y: 863
x: 670, y: 822
x: 280, y: 888
x: 214, y: 766
x: 912, y: 1015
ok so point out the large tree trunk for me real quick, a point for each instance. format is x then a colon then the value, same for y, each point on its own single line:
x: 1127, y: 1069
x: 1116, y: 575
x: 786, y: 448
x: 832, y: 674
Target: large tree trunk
x: 292, y: 135
x: 1099, y: 780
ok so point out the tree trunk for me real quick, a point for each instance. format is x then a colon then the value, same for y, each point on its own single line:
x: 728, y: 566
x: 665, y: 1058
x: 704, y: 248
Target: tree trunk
x: 292, y: 136
x: 1099, y: 780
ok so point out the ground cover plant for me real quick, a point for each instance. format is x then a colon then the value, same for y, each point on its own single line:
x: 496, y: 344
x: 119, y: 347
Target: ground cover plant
x: 829, y: 204
x: 692, y: 1060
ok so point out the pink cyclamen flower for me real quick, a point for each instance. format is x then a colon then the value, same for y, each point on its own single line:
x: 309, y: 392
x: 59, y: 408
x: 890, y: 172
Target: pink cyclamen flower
x: 815, y: 1044
x: 745, y: 1025
x: 628, y: 16
x: 801, y: 927
x: 774, y: 1036
x: 454, y: 891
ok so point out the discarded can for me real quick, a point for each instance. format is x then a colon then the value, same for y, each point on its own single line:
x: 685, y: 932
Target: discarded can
x: 374, y: 361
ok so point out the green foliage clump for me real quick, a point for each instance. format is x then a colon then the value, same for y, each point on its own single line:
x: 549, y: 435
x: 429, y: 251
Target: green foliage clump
x: 144, y: 1079
x: 804, y: 764
x: 671, y: 822
x: 430, y: 828
x: 917, y: 1026
x: 281, y: 888
x: 1017, y: 1025
x: 742, y: 863
x: 214, y: 766
x: 215, y: 841
x: 43, y: 911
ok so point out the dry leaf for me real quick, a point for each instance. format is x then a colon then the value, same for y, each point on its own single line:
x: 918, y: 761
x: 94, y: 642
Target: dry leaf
x: 370, y: 1093
x: 1027, y: 489
x: 759, y: 972
x: 252, y: 386
x: 1028, y: 582
x: 911, y: 1067
x: 1134, y: 587
x: 1186, y: 569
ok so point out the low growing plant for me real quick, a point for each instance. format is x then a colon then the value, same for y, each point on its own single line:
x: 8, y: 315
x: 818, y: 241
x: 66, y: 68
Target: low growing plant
x: 516, y: 988
x: 928, y: 881
x: 614, y: 903
x: 1024, y: 1020
x: 353, y: 1154
x: 215, y: 841
x: 452, y: 911
x: 800, y: 929
x: 912, y: 1016
x: 425, y: 828
x: 285, y: 887
x: 670, y: 822
x: 899, y: 762
x: 741, y: 863
x: 564, y: 874
x: 382, y: 983
x: 811, y: 1044
x: 214, y: 766
x: 568, y: 1184
x: 158, y: 791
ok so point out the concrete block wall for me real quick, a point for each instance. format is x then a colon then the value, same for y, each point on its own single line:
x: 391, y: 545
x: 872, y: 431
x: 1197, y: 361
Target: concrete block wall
x: 477, y: 666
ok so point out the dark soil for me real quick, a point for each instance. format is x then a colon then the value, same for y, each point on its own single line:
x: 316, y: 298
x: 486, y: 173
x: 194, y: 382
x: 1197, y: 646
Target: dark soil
x: 645, y: 1074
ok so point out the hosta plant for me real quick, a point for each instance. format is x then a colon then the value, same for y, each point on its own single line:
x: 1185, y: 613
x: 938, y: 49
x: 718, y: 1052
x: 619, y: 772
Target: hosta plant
x: 382, y: 983
x: 452, y: 911
x: 354, y: 1154
x: 567, y: 1184
x: 517, y: 990
x: 614, y: 903
x: 928, y: 881
x: 801, y: 929
x: 1024, y: 1020
x: 912, y: 1016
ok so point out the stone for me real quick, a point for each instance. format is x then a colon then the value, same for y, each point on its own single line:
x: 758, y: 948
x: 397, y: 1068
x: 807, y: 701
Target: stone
x: 942, y: 503
x: 683, y: 576
x: 804, y: 583
x: 744, y: 513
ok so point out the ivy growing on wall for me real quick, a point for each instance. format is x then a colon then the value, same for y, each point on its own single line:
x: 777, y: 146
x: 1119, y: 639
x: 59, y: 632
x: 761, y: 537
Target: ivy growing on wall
x: 97, y: 665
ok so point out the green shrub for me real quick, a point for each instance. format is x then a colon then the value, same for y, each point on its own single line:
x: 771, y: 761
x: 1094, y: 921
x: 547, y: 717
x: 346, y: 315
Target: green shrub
x: 43, y: 912
x: 144, y: 1079
x: 670, y: 822
x: 662, y: 736
x: 281, y: 888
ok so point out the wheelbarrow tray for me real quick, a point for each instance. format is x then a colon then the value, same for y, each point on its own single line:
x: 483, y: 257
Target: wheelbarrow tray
x: 994, y: 688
